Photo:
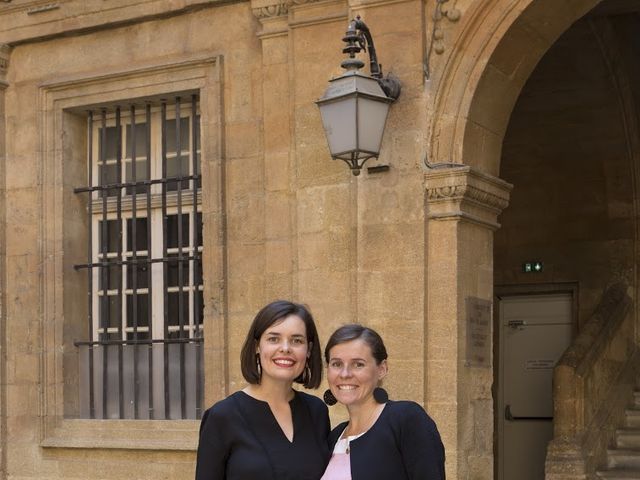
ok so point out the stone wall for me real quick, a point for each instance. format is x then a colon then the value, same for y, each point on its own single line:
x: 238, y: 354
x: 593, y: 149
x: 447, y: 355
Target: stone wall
x: 401, y: 250
x: 281, y: 219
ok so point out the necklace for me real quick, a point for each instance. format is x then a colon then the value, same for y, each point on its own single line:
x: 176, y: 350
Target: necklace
x: 371, y: 418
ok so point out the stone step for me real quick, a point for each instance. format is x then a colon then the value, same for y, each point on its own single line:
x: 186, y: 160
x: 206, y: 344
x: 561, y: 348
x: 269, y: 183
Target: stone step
x: 632, y: 417
x: 623, y: 458
x: 628, y: 438
x: 618, y: 474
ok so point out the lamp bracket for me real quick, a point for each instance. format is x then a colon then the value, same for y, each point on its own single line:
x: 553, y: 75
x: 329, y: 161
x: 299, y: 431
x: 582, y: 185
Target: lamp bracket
x: 441, y: 165
x: 358, y: 38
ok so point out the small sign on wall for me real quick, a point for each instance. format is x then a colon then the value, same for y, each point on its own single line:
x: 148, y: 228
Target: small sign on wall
x: 533, y: 266
x: 539, y: 364
x: 478, y: 332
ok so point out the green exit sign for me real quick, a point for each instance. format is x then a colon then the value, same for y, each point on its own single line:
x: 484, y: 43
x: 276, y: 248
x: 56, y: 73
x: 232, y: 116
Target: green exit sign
x: 532, y: 267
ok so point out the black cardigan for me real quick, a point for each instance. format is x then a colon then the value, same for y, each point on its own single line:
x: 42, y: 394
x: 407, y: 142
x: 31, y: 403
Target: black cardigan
x: 240, y: 439
x: 403, y: 444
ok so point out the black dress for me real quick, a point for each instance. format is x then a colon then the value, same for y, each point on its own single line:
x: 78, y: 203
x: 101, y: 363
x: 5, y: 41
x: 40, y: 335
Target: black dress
x: 240, y: 439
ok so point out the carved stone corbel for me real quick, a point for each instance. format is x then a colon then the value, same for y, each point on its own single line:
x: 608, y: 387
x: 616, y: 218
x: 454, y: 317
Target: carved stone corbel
x: 466, y: 194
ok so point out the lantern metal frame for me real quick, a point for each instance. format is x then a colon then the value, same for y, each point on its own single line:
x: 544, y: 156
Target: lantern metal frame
x: 355, y: 85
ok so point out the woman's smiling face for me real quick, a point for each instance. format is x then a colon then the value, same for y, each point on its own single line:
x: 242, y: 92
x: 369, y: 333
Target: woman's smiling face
x: 283, y: 349
x: 353, y: 373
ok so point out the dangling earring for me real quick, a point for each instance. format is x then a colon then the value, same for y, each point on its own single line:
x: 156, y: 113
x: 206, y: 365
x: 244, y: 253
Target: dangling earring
x: 258, y: 366
x: 329, y: 398
x: 380, y: 395
x: 306, y: 374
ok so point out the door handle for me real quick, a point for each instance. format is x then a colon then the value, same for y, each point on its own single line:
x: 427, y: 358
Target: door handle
x: 508, y: 416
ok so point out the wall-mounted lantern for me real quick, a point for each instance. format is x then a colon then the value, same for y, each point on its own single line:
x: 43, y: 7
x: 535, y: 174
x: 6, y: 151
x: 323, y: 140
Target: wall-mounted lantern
x: 354, y: 107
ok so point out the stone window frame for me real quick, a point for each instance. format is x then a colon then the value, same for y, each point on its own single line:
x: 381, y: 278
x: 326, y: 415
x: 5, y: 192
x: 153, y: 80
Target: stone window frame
x: 62, y: 105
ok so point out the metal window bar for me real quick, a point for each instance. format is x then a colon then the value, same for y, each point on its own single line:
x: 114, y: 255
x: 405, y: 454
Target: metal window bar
x: 134, y: 255
x: 111, y: 263
x: 92, y: 410
x: 104, y: 272
x: 119, y: 259
x: 180, y: 264
x: 149, y: 265
x: 196, y: 227
x: 165, y: 351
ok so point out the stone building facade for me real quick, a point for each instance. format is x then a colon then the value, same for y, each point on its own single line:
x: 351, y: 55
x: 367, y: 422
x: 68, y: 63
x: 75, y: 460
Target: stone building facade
x: 514, y: 139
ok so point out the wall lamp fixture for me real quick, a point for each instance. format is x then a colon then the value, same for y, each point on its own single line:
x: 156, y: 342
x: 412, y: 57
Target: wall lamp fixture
x: 354, y: 107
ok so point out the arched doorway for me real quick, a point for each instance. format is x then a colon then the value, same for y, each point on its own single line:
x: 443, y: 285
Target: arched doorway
x: 570, y: 150
x: 474, y: 96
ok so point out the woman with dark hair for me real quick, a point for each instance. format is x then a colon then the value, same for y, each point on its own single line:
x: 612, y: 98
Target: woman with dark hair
x: 269, y: 430
x: 383, y: 439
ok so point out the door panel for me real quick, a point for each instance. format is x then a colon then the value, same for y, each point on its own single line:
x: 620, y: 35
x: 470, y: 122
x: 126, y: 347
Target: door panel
x: 535, y: 330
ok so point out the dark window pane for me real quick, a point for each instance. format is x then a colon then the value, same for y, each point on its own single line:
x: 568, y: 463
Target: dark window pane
x: 109, y: 176
x: 173, y: 308
x: 110, y: 275
x: 141, y: 174
x: 111, y: 147
x: 107, y: 173
x: 109, y: 312
x: 115, y: 336
x: 173, y: 272
x: 140, y: 271
x: 197, y: 127
x: 178, y: 169
x: 111, y: 233
x: 139, y: 336
x: 176, y: 335
x: 199, y: 228
x: 172, y: 230
x: 200, y: 308
x: 142, y: 308
x: 198, y: 169
x: 198, y: 273
x: 141, y: 240
x: 141, y: 140
x: 184, y: 135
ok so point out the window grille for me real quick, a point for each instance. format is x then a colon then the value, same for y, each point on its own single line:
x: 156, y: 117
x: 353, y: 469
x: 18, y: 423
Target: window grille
x: 143, y: 355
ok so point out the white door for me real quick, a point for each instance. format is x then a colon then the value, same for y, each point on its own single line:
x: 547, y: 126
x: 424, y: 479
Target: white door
x: 535, y: 330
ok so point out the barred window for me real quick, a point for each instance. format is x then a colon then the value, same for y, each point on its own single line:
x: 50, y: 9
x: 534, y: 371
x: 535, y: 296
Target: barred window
x: 142, y: 358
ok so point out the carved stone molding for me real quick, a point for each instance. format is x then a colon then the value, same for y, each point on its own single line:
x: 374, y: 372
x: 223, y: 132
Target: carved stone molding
x: 463, y: 193
x: 437, y: 45
x: 266, y: 9
x: 271, y: 11
x: 443, y: 11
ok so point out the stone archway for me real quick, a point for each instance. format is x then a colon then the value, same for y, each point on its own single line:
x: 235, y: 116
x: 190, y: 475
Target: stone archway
x: 474, y: 89
x: 497, y: 48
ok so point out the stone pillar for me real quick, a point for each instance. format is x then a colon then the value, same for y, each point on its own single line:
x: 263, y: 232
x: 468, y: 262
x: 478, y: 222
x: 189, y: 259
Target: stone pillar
x: 462, y: 206
x: 278, y: 197
x: 4, y: 67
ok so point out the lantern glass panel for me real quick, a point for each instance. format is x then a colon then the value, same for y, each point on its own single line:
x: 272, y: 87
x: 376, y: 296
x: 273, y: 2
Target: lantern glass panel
x: 339, y: 122
x: 372, y: 115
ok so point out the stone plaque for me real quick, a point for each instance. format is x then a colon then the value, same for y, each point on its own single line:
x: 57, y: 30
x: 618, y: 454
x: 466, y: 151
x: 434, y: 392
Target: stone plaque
x: 478, y: 332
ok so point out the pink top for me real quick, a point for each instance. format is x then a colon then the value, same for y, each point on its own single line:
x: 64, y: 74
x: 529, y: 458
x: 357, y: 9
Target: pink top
x: 339, y: 467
